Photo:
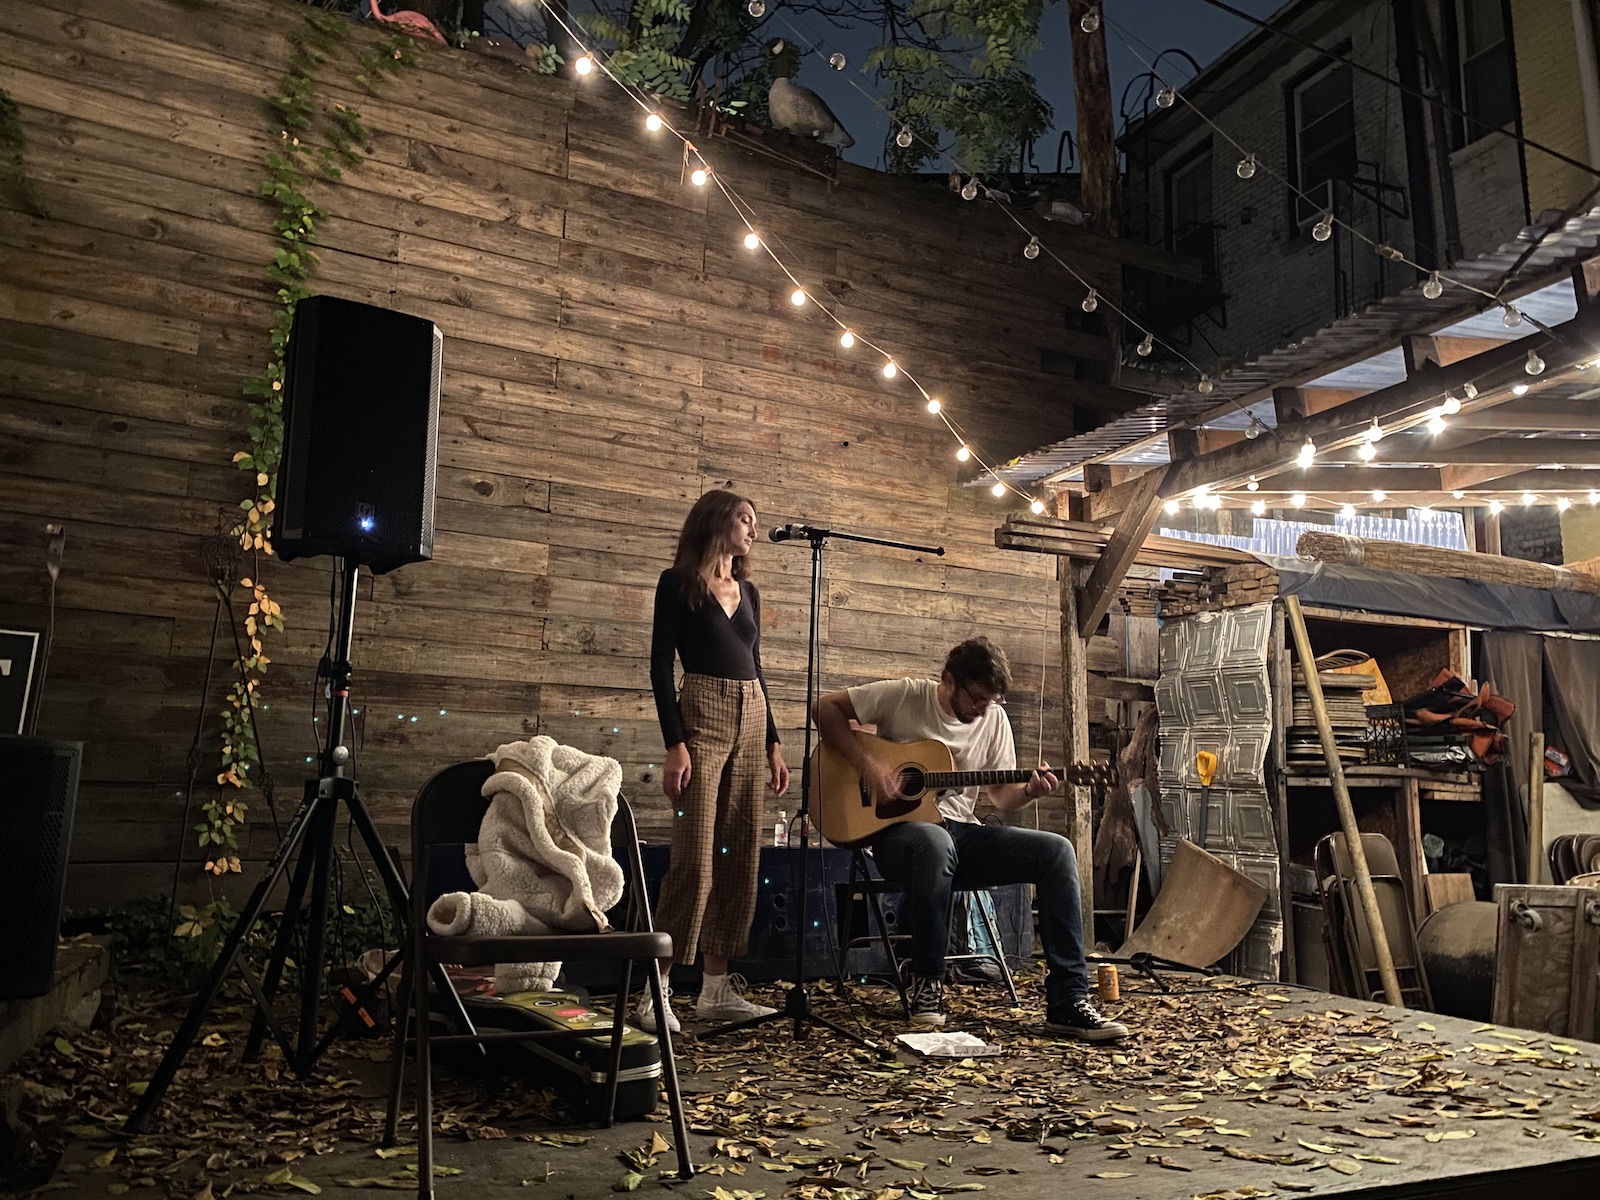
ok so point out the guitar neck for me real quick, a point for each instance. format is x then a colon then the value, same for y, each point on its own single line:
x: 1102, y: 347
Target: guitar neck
x: 939, y: 780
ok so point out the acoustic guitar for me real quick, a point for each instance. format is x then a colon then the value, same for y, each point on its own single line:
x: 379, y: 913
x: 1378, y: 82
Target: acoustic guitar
x: 848, y: 812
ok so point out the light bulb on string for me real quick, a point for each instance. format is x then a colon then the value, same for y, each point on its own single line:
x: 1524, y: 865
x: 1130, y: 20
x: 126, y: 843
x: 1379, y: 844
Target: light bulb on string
x: 1469, y: 390
x: 797, y: 297
x: 1528, y: 499
x: 934, y: 406
x: 1379, y: 495
x: 1496, y: 508
x: 1036, y: 507
x: 1451, y: 405
x: 904, y: 137
x: 1172, y: 507
x: 1519, y: 389
x: 1308, y: 452
x: 699, y: 176
x: 654, y: 122
x: 1298, y: 500
x: 1258, y: 508
x: 1091, y: 301
x: 1166, y: 98
x: 1031, y: 250
x: 1204, y: 385
x: 998, y: 490
x: 1374, y: 432
x: 1347, y: 511
x: 889, y: 369
x: 969, y: 190
x: 1563, y: 504
x: 1253, y: 430
x: 1146, y: 346
x: 1511, y: 318
x: 1436, y: 424
x: 1254, y: 485
x: 1090, y: 21
x: 1433, y: 287
x: 847, y: 339
x: 1323, y: 229
x: 1535, y: 364
x: 1458, y: 494
x: 752, y: 241
x: 1367, y: 452
x: 1246, y: 168
x: 962, y: 454
x: 583, y: 64
x: 1594, y: 497
x: 756, y: 8
x: 836, y: 61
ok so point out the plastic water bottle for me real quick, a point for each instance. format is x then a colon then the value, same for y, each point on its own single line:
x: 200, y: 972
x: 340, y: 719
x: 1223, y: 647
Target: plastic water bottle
x: 780, y: 831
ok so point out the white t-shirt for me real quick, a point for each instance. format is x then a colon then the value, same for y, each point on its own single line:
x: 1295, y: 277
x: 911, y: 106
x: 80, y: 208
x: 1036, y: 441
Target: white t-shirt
x: 907, y: 710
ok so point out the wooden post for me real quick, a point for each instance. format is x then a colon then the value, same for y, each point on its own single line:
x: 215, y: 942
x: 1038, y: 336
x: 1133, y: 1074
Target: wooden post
x: 1491, y: 533
x: 1341, y: 798
x: 1111, y: 568
x: 1536, y: 855
x: 1075, y: 735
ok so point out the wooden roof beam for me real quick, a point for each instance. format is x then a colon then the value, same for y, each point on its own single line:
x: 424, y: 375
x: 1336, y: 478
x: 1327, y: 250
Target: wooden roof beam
x: 1576, y: 341
x: 1573, y: 416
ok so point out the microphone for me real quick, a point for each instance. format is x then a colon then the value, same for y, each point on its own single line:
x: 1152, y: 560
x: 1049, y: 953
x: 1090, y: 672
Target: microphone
x: 784, y: 533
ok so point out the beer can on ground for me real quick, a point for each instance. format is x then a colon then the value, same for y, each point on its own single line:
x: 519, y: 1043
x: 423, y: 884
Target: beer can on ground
x: 1107, y: 983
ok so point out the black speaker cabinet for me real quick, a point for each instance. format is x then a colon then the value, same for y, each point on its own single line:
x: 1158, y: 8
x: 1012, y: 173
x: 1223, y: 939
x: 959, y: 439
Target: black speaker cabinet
x: 38, y: 791
x: 361, y: 435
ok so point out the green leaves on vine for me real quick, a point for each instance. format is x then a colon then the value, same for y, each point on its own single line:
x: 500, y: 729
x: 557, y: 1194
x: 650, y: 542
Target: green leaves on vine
x: 309, y: 145
x: 13, y: 144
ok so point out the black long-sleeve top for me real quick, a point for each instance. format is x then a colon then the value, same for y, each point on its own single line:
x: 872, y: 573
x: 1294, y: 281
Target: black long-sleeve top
x: 709, y: 642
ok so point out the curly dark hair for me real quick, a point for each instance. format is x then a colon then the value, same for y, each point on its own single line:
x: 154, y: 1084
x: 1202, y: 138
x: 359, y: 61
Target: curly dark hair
x: 978, y: 660
x: 703, y: 538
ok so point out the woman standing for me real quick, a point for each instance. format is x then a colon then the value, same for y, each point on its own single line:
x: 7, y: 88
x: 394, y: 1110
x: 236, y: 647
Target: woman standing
x: 721, y: 739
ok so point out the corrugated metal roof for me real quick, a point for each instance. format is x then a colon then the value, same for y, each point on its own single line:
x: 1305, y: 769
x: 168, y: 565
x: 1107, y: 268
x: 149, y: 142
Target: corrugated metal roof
x: 1355, y: 351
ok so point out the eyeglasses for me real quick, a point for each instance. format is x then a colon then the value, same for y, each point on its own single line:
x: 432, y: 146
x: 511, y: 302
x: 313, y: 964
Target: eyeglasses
x: 979, y: 703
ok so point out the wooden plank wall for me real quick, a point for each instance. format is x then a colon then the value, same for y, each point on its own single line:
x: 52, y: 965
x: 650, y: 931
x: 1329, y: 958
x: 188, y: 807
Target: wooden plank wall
x: 611, y: 351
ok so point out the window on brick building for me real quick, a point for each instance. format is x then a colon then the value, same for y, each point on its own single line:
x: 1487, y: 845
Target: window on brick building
x: 1189, y: 205
x: 1486, y: 80
x: 1322, y: 139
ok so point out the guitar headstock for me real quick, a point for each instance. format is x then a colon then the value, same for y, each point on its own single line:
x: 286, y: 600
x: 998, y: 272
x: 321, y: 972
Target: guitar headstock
x: 1089, y: 774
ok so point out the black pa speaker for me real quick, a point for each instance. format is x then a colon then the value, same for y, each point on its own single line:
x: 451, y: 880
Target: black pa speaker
x: 361, y: 435
x: 38, y: 792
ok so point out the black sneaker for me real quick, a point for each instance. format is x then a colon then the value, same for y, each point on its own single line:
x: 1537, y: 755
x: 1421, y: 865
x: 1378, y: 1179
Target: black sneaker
x: 1077, y: 1018
x: 926, y: 997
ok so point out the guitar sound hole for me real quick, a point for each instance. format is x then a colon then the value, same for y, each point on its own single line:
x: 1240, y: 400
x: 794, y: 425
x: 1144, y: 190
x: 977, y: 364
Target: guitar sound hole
x: 913, y: 781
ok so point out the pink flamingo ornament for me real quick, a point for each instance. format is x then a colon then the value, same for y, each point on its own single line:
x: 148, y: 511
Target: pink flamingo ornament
x: 414, y: 23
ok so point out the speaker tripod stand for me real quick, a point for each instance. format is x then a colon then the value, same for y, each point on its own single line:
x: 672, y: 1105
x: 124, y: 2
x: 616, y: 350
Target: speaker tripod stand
x: 311, y: 832
x: 797, y: 1000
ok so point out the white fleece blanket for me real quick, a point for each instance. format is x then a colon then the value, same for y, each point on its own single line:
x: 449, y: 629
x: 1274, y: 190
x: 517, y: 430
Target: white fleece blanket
x: 542, y: 861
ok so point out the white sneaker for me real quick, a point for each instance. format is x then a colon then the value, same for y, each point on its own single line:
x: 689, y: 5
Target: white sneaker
x: 721, y: 999
x: 645, y: 1015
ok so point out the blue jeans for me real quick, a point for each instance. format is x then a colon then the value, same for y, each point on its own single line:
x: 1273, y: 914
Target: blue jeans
x: 931, y: 862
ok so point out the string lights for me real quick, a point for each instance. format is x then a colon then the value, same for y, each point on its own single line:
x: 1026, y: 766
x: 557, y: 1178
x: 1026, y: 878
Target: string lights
x: 702, y: 175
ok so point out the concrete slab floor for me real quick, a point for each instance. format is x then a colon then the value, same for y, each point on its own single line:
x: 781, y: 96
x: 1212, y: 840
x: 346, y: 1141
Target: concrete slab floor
x: 1223, y: 1087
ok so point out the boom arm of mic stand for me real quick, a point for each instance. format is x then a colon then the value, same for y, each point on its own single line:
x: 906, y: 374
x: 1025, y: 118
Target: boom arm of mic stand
x: 818, y: 536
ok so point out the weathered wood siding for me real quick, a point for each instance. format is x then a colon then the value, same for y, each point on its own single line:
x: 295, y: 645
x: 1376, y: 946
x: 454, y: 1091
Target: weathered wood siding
x: 611, y: 351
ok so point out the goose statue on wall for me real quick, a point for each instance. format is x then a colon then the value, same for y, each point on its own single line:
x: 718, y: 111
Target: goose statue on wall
x: 799, y: 110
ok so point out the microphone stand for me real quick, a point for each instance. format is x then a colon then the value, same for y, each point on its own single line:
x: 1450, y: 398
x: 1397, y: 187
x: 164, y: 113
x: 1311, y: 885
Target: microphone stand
x: 797, y: 1001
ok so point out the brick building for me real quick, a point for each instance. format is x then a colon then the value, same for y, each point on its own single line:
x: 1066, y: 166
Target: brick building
x: 1437, y: 186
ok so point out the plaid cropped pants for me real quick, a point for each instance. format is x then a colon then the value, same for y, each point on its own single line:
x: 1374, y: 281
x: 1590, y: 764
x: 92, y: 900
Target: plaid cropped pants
x: 708, y: 898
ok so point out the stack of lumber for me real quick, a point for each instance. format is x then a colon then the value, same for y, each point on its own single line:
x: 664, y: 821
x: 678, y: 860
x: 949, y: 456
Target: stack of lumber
x: 1430, y: 560
x: 1341, y: 691
x: 1192, y: 592
x: 1087, y: 540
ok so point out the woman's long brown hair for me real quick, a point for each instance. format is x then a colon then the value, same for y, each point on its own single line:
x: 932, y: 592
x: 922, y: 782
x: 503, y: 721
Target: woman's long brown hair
x: 702, y: 541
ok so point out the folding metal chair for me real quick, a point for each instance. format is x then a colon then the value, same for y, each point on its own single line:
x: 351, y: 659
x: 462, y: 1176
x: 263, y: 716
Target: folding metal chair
x: 869, y: 886
x: 448, y: 811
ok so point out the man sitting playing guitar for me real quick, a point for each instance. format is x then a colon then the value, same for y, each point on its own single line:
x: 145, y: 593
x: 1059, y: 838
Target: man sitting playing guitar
x: 931, y: 861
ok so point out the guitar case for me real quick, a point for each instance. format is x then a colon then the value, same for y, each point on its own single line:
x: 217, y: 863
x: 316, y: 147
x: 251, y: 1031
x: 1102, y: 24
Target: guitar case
x: 575, y: 1066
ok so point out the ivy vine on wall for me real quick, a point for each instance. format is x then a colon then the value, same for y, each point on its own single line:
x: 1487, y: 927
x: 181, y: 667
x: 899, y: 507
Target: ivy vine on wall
x: 310, y: 143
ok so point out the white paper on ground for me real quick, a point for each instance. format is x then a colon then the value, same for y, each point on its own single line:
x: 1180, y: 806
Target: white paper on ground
x: 953, y: 1044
